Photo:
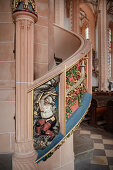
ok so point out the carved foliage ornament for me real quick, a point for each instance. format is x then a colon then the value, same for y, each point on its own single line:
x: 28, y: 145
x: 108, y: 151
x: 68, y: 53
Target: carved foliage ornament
x: 76, y: 86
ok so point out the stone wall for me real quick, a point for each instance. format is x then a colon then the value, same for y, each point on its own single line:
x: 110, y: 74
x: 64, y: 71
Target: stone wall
x: 7, y: 79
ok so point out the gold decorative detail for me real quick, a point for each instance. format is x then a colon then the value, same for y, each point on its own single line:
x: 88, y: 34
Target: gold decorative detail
x: 44, y: 81
x: 52, y: 118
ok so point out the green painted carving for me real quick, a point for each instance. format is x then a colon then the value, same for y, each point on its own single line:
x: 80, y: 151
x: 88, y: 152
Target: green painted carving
x: 76, y: 82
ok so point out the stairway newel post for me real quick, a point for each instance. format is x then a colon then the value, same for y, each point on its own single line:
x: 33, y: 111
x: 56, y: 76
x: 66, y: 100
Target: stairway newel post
x: 24, y: 155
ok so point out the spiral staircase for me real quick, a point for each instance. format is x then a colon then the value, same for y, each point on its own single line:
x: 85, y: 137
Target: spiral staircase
x: 74, y: 86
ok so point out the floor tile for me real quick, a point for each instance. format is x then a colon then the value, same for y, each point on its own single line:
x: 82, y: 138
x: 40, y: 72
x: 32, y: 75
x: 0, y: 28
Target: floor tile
x: 98, y: 146
x: 107, y: 135
x: 110, y: 160
x: 85, y: 135
x: 103, y: 148
x: 85, y: 132
x: 97, y: 140
x: 83, y: 165
x: 96, y: 131
x: 101, y: 160
x: 108, y: 141
x: 110, y: 167
x: 95, y: 136
x: 99, y: 167
x: 108, y: 147
x: 5, y: 161
x: 109, y: 153
x: 99, y: 152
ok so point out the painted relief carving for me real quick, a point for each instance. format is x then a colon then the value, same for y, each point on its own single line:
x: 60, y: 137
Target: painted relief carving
x: 23, y: 4
x: 76, y: 86
x: 45, y: 118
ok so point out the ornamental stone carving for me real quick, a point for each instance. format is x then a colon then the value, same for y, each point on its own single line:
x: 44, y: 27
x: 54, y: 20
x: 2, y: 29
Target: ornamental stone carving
x: 24, y: 5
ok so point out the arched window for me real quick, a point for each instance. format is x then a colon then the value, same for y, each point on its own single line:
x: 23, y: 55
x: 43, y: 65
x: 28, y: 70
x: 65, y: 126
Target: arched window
x: 84, y: 22
x: 87, y: 33
x: 88, y: 23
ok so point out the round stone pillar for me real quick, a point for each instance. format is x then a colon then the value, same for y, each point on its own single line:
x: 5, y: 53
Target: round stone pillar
x: 24, y: 155
x: 76, y: 16
x: 59, y: 12
x: 102, y: 46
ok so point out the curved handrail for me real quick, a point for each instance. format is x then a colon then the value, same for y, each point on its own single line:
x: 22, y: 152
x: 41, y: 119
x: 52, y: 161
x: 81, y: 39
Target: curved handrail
x: 83, y: 49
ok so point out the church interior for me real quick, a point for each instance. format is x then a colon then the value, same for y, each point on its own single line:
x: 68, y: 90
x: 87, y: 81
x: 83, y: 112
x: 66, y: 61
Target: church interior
x: 56, y: 84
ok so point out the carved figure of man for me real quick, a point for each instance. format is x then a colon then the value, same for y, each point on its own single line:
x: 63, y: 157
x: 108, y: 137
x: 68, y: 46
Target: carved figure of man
x: 48, y: 120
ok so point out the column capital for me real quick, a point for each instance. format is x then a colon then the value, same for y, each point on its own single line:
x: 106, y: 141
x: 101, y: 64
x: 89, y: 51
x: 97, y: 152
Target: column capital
x: 22, y: 15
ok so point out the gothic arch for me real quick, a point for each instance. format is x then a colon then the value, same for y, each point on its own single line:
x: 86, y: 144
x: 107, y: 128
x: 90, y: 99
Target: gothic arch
x: 91, y: 22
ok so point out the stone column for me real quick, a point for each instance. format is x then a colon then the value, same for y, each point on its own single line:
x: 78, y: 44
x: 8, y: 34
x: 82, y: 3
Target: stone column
x: 51, y: 20
x: 102, y: 44
x: 111, y: 27
x: 24, y: 155
x: 59, y: 12
x: 76, y: 17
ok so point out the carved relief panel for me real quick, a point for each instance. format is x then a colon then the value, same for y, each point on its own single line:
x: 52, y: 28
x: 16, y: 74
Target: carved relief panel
x: 45, y: 117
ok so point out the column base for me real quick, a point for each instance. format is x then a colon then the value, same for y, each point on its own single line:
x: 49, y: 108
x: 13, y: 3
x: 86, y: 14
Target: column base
x: 24, y: 156
x: 24, y: 161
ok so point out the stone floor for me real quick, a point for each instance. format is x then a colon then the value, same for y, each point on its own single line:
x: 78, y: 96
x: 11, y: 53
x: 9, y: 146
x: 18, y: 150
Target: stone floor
x: 5, y: 161
x: 94, y: 149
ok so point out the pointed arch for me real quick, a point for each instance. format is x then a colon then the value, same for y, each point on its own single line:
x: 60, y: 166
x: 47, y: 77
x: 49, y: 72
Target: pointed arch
x: 91, y: 22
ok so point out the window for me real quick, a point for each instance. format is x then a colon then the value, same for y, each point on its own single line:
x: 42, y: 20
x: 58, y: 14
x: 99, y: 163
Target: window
x: 87, y: 33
